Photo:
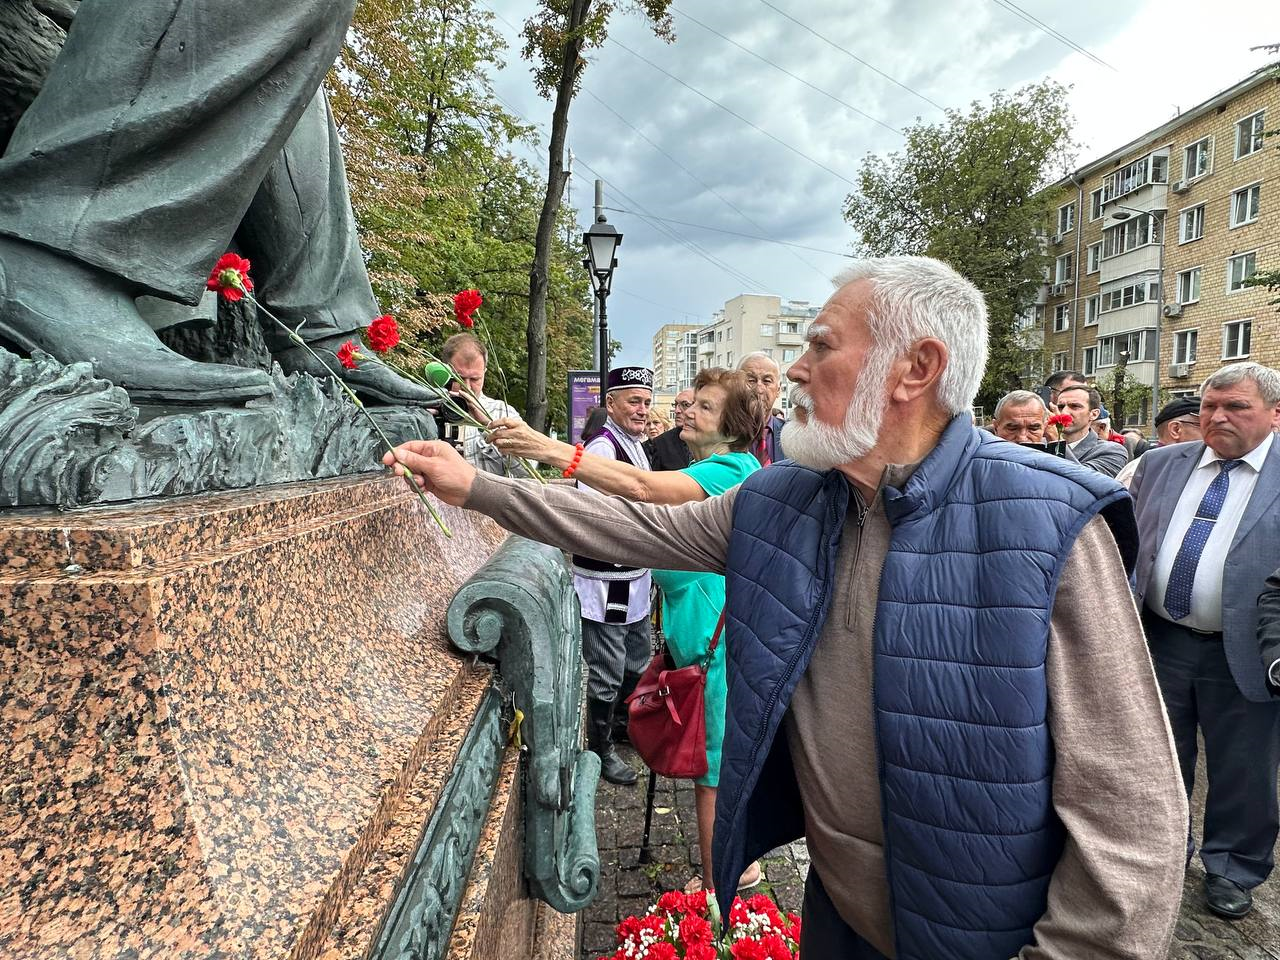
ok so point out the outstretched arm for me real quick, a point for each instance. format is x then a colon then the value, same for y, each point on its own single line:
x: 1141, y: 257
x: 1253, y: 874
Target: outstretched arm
x: 693, y: 536
x: 517, y: 438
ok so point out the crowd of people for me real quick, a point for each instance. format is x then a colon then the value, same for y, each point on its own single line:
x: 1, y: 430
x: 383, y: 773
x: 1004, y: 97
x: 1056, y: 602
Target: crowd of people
x: 962, y: 661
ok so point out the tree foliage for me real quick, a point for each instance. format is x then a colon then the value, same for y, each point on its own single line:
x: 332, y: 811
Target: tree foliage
x: 971, y: 191
x: 441, y: 201
x: 555, y: 38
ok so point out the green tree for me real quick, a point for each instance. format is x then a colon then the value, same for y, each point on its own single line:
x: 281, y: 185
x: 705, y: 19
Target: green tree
x: 555, y: 38
x: 441, y: 202
x: 972, y: 191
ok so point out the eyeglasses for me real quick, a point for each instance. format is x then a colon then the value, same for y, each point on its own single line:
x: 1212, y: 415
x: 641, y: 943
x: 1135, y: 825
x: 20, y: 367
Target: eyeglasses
x: 683, y: 404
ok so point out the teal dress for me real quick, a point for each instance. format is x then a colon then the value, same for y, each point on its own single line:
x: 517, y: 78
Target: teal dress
x: 691, y: 605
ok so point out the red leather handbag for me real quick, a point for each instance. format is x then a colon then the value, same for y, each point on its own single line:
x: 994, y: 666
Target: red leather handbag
x: 666, y: 715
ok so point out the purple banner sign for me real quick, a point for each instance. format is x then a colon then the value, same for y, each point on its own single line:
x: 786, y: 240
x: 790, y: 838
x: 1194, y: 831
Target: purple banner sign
x: 584, y: 393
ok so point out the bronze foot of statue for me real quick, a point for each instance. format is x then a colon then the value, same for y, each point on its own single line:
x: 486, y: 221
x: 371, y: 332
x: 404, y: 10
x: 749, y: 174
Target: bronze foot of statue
x: 76, y: 313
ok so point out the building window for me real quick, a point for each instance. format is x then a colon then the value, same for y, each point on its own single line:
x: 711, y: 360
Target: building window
x: 1191, y: 224
x: 1150, y: 169
x: 1235, y: 339
x: 728, y: 334
x: 1240, y: 269
x: 1196, y: 159
x: 1059, y: 362
x: 1064, y: 268
x: 1095, y: 257
x: 766, y: 329
x: 788, y: 327
x: 728, y: 359
x: 1133, y: 233
x: 1249, y: 134
x: 1140, y: 345
x: 1189, y: 285
x: 1184, y: 346
x: 1061, y: 317
x: 1130, y: 295
x: 719, y: 336
x: 1089, y: 361
x: 1092, y: 307
x: 1095, y: 205
x: 768, y: 352
x: 1067, y: 218
x: 1244, y: 205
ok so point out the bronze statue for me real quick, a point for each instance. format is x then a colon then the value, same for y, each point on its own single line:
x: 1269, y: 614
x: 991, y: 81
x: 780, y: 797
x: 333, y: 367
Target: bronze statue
x: 160, y: 139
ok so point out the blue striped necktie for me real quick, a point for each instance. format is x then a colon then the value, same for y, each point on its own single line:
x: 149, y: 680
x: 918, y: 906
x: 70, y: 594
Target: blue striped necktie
x: 1177, y: 595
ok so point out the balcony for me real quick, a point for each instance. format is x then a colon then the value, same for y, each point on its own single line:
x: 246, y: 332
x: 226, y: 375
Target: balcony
x: 1137, y: 260
x: 790, y: 339
x: 1142, y: 371
x: 1141, y: 316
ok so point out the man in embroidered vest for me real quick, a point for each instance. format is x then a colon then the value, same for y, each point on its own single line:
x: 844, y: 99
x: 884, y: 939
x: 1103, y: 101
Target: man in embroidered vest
x: 936, y: 672
x: 765, y: 377
x: 1209, y: 521
x: 616, y: 644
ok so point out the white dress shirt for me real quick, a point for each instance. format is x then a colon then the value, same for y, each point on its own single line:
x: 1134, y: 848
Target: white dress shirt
x: 478, y: 451
x: 593, y: 592
x: 1206, y: 591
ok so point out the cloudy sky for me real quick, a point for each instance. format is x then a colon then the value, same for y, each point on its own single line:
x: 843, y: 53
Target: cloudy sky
x: 775, y: 158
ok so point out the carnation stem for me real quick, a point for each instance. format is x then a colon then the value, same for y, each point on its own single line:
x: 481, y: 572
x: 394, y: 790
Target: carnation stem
x: 351, y: 395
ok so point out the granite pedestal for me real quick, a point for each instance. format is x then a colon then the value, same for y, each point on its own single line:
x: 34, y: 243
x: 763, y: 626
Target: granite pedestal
x: 228, y: 721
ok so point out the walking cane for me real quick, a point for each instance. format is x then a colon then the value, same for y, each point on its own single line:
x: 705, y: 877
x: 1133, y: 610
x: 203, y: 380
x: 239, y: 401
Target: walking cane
x: 645, y: 857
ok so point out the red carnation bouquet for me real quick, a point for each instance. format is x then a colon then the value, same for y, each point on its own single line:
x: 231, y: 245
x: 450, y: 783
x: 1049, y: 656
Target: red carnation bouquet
x: 687, y: 926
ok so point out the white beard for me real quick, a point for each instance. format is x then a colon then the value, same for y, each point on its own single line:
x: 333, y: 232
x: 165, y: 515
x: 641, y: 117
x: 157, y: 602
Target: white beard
x: 822, y: 446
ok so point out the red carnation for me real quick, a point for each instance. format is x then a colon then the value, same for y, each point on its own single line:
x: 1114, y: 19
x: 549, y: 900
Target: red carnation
x: 700, y: 951
x: 465, y: 303
x: 749, y: 950
x: 230, y: 277
x: 673, y: 901
x: 347, y: 354
x: 1060, y: 420
x: 662, y: 951
x: 383, y: 334
x: 694, y: 929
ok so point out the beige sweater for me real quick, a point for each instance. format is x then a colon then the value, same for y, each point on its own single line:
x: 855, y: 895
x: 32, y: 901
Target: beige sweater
x: 1116, y: 890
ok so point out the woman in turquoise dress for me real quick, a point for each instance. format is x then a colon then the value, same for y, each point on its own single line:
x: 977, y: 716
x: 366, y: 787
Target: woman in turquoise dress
x: 720, y: 430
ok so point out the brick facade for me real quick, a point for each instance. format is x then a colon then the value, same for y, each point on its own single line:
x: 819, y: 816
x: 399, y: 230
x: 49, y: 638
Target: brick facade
x: 1155, y: 173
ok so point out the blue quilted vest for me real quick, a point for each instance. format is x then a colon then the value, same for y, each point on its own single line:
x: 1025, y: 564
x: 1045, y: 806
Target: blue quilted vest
x: 980, y: 533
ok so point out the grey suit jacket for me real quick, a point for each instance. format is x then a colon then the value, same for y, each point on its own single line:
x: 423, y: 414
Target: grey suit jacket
x: 1101, y: 455
x: 1254, y: 554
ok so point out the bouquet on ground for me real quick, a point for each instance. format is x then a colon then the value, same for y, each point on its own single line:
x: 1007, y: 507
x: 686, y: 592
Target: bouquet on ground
x: 687, y: 926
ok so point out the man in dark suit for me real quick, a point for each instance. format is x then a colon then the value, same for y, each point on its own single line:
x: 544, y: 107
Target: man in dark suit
x: 667, y: 451
x: 1084, y: 406
x: 1209, y: 527
x: 1269, y: 631
x: 765, y: 377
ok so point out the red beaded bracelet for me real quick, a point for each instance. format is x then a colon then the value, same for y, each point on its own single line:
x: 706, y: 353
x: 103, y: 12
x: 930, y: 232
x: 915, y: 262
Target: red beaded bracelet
x: 573, y: 464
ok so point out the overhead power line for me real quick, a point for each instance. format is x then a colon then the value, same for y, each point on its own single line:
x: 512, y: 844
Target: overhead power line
x: 853, y: 56
x: 778, y: 140
x: 1062, y: 38
x: 735, y: 233
x: 844, y: 103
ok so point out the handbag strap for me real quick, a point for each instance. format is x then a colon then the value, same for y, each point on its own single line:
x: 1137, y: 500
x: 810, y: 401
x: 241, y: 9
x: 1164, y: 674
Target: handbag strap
x: 715, y: 640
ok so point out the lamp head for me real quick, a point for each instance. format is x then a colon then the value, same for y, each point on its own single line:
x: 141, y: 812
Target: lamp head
x: 601, y: 242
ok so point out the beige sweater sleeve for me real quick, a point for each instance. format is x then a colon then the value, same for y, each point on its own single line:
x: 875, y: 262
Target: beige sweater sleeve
x: 1115, y: 893
x: 691, y: 536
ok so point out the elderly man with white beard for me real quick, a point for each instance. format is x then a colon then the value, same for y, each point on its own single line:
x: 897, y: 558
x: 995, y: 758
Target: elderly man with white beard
x: 922, y: 680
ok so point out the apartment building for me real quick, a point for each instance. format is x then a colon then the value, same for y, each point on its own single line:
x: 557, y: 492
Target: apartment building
x: 675, y: 356
x: 751, y: 323
x: 1151, y: 245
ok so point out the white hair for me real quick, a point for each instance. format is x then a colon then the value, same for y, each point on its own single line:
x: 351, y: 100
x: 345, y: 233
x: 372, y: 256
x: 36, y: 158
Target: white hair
x: 917, y: 297
x: 1266, y: 379
x: 759, y: 355
x: 1018, y: 398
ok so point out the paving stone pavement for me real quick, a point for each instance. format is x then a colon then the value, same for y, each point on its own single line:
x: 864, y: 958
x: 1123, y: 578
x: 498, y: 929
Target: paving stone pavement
x: 628, y: 886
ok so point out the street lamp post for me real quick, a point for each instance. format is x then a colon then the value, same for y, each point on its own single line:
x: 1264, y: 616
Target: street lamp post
x: 602, y: 241
x: 1122, y: 214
